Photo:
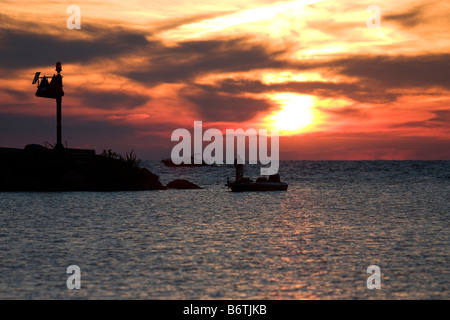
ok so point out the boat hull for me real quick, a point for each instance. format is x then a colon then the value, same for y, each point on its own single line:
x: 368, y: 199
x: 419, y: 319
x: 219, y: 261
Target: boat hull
x: 257, y: 186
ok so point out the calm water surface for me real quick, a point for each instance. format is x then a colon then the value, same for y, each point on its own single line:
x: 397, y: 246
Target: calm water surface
x: 314, y: 241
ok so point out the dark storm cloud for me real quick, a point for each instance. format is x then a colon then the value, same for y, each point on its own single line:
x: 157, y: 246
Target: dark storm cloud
x: 189, y: 59
x: 407, y: 20
x: 213, y: 106
x: 411, y: 18
x: 441, y: 118
x: 373, y: 74
x: 397, y: 72
x: 361, y: 92
x: 416, y: 124
x: 110, y: 100
x: 375, y: 77
x: 347, y: 112
x: 28, y: 47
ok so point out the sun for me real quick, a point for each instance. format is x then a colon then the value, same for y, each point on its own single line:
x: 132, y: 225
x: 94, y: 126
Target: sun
x: 296, y: 114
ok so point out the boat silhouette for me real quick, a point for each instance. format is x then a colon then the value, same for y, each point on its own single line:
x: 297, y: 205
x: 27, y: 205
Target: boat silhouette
x: 169, y: 163
x: 273, y: 183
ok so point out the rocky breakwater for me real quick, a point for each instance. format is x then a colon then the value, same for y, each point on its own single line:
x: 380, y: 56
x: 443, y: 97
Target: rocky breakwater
x: 36, y: 168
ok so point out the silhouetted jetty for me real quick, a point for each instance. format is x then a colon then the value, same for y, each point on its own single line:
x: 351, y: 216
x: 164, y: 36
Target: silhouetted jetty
x: 37, y: 168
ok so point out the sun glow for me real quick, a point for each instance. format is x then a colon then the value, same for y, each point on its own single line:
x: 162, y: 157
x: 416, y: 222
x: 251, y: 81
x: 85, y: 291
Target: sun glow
x: 296, y: 114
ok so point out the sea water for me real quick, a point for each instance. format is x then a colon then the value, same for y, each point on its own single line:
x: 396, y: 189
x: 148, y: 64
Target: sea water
x: 314, y: 241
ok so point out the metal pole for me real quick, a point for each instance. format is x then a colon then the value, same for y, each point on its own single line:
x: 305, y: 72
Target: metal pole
x: 58, y: 124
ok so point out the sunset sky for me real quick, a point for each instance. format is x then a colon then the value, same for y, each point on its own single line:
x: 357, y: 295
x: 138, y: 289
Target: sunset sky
x: 137, y: 70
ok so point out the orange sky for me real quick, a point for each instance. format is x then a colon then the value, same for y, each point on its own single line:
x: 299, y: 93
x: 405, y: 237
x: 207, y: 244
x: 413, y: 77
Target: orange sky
x: 137, y: 70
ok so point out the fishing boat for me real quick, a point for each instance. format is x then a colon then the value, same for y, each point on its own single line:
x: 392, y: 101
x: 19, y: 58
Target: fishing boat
x: 261, y: 184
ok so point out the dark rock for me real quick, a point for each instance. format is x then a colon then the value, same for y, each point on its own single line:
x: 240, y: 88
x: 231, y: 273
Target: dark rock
x: 182, y: 184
